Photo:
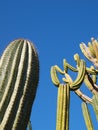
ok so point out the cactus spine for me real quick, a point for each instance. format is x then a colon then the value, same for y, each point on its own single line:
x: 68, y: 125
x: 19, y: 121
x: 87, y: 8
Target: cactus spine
x: 19, y: 75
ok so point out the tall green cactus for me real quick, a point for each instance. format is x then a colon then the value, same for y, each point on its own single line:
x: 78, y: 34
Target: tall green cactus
x: 84, y: 74
x: 19, y: 75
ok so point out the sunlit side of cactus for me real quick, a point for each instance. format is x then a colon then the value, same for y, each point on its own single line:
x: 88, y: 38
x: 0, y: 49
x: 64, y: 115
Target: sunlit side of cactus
x: 19, y: 75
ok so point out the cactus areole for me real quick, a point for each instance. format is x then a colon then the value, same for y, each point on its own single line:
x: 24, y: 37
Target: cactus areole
x: 19, y: 75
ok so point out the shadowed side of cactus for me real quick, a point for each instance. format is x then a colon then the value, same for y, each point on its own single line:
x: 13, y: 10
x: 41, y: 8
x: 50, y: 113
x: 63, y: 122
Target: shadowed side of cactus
x: 19, y: 75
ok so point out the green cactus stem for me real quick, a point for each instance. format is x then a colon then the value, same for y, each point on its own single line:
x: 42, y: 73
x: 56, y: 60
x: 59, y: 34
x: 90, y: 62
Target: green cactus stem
x: 87, y: 116
x: 95, y: 104
x: 63, y: 105
x: 19, y: 75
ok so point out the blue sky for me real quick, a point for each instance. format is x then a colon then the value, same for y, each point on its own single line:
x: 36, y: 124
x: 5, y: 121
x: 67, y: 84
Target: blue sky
x: 56, y: 27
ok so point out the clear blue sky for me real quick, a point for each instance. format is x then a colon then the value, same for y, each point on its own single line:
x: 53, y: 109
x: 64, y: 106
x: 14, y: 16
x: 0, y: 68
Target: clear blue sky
x: 56, y: 27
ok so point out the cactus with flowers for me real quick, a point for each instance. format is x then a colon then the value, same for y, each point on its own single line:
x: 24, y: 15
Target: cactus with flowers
x: 85, y: 74
x: 19, y: 75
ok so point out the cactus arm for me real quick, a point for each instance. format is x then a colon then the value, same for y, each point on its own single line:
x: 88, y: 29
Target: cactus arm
x: 87, y: 116
x: 83, y: 96
x: 95, y: 104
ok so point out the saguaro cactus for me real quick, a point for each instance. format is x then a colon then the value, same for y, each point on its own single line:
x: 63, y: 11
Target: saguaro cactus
x: 64, y: 89
x: 19, y: 75
x: 84, y: 74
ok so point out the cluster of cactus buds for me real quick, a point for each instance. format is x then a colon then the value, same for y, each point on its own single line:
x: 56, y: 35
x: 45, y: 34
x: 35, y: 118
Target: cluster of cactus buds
x: 19, y: 75
x: 84, y: 74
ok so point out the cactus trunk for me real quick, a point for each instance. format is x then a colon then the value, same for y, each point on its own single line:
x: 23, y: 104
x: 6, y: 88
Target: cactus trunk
x: 63, y: 105
x: 19, y: 75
